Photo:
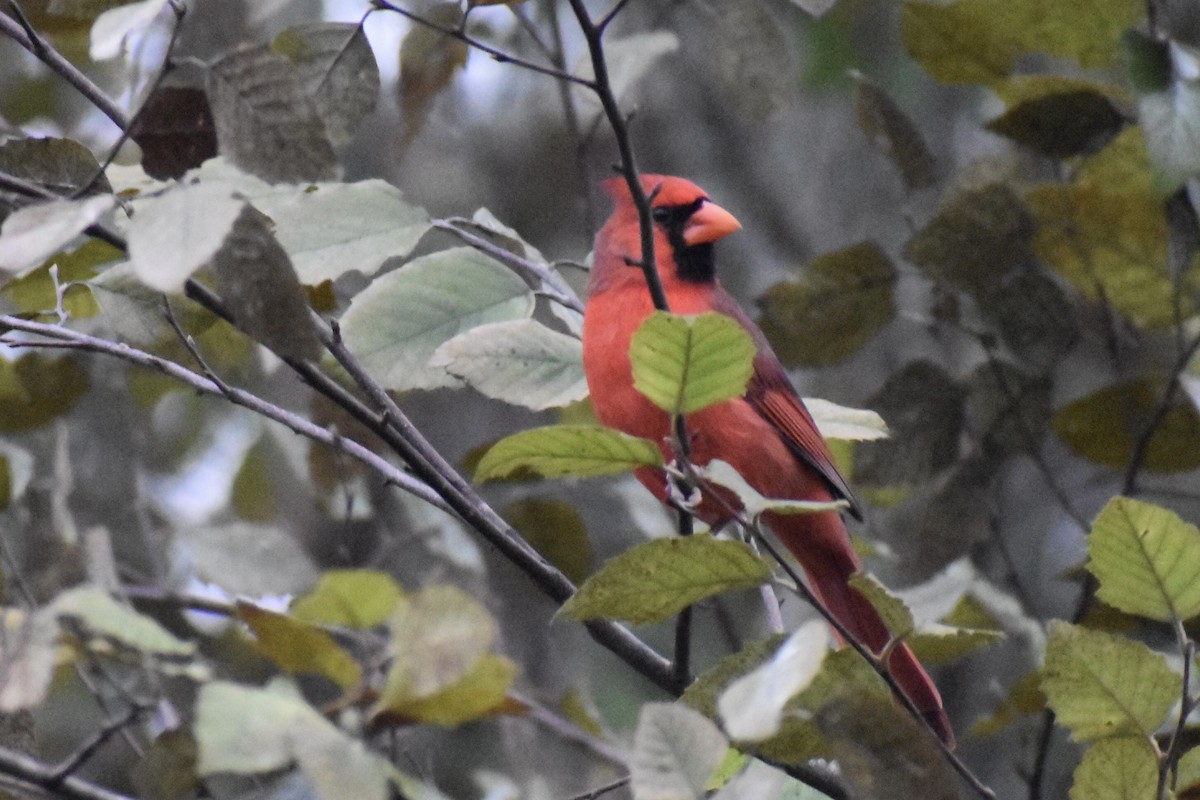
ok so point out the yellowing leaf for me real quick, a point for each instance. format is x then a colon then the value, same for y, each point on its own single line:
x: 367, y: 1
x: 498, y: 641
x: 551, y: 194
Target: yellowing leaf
x: 1116, y: 769
x: 656, y: 580
x: 1105, y: 425
x: 355, y: 598
x: 558, y: 450
x: 1146, y: 559
x: 1110, y: 245
x: 300, y: 647
x: 428, y: 62
x: 481, y: 691
x: 839, y: 302
x: 96, y: 612
x: 683, y: 364
x: 1102, y: 685
x: 441, y: 671
x: 976, y: 41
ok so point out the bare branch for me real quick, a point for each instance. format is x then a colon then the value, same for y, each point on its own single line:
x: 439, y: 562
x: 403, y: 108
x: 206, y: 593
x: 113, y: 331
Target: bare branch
x: 496, y: 53
x: 46, y: 777
x: 31, y: 40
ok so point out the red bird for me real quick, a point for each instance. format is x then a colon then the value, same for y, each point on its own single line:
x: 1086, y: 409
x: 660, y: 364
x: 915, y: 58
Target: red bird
x: 767, y: 434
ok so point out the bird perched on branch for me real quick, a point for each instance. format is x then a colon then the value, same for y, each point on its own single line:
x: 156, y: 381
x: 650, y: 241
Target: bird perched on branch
x: 766, y: 434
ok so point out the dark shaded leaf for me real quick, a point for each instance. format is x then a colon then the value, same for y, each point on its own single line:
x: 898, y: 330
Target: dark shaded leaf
x: 175, y: 130
x: 1063, y: 124
x: 63, y: 166
x: 975, y: 239
x: 337, y: 71
x: 1106, y: 425
x: 882, y: 752
x: 555, y: 530
x: 35, y: 390
x: 257, y: 282
x: 1034, y: 317
x: 1010, y: 409
x: 265, y: 123
x: 840, y: 301
x: 891, y: 132
x: 923, y: 407
x: 168, y: 769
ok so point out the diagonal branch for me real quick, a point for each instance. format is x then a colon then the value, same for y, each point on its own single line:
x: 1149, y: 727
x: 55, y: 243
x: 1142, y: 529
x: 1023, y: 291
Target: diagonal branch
x: 45, y: 776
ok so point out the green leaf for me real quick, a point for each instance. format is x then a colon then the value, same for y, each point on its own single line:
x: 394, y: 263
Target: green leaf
x: 176, y: 233
x: 1105, y: 426
x: 99, y: 614
x: 555, y: 530
x: 1103, y: 686
x: 1117, y: 769
x: 32, y: 234
x: 751, y: 707
x: 522, y: 362
x: 976, y: 237
x: 675, y: 752
x: 36, y: 291
x: 329, y: 229
x: 397, y: 323
x: 253, y: 494
x: 656, y: 580
x: 839, y: 302
x: 1109, y: 245
x: 974, y: 41
x: 35, y: 390
x: 1146, y: 560
x: 1187, y: 780
x: 300, y: 647
x: 245, y: 731
x: 683, y: 364
x: 558, y: 450
x: 354, y: 598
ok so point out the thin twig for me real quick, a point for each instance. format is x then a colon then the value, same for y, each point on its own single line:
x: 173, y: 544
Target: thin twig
x: 1142, y: 446
x: 569, y: 731
x: 599, y: 791
x: 45, y: 776
x: 16, y: 28
x: 1187, y: 704
x: 67, y: 767
x: 496, y: 53
x: 554, y: 286
x: 208, y: 385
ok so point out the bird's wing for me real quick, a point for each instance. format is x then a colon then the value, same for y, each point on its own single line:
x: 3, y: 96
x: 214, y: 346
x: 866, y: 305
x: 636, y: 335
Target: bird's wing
x: 773, y: 397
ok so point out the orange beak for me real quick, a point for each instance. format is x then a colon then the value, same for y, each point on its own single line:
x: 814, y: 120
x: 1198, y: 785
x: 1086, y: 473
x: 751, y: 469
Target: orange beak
x: 709, y: 223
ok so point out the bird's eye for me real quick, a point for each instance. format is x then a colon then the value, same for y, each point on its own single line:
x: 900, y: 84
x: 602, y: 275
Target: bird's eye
x: 661, y: 214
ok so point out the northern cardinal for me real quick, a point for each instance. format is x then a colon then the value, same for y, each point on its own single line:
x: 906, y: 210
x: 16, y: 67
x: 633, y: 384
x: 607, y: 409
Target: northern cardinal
x: 767, y: 434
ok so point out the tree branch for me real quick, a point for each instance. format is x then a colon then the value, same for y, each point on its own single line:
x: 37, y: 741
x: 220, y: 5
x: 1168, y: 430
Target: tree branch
x: 46, y: 777
x: 16, y: 27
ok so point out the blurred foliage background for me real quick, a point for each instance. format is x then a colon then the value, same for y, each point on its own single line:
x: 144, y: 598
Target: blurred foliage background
x: 972, y: 217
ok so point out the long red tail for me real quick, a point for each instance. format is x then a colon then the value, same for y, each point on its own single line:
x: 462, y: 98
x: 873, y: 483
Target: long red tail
x: 822, y: 546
